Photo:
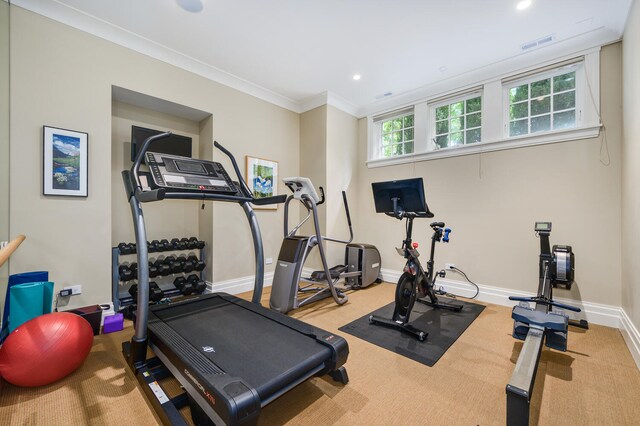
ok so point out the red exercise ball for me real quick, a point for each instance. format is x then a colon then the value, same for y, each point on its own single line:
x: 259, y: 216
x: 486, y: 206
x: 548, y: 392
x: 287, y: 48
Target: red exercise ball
x: 45, y: 349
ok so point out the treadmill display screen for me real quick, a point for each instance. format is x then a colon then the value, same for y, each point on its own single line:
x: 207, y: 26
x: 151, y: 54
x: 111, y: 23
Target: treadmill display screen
x: 190, y: 167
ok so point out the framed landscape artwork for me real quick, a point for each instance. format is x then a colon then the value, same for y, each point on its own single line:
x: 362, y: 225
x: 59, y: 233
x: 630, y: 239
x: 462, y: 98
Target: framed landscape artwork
x: 65, y: 162
x: 262, y: 179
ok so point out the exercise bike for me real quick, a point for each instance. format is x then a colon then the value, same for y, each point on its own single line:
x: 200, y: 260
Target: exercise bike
x: 545, y: 323
x: 290, y: 289
x: 404, y: 199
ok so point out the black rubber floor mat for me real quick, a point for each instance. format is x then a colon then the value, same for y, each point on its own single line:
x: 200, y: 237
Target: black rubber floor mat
x: 444, y: 328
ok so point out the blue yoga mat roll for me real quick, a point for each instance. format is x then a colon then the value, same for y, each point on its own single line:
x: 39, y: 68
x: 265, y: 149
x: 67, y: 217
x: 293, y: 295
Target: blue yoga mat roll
x: 28, y: 301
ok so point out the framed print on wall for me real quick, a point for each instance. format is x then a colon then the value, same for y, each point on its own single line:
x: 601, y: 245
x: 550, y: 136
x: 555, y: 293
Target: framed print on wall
x: 65, y: 162
x: 262, y: 179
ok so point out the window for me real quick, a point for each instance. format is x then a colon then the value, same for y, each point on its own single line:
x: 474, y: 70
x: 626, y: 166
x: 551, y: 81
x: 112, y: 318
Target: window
x: 459, y: 122
x: 396, y: 135
x: 523, y: 106
x: 542, y: 104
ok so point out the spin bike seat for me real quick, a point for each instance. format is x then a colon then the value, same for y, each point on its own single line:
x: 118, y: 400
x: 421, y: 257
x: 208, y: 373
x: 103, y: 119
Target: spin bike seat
x: 549, y: 321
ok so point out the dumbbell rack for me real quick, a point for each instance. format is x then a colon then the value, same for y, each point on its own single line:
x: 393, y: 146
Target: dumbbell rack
x: 121, y: 298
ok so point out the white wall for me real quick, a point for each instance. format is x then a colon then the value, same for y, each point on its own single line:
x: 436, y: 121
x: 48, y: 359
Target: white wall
x: 492, y: 200
x: 64, y: 77
x: 631, y: 168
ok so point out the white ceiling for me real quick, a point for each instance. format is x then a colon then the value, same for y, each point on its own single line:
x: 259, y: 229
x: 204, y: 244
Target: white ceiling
x: 291, y: 51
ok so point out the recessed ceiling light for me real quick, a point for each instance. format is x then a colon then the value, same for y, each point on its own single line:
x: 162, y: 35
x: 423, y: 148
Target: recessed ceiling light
x: 356, y: 77
x: 194, y: 6
x: 523, y: 4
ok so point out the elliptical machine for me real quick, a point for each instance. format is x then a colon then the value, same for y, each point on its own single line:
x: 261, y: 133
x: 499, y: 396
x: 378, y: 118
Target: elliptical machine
x: 291, y: 290
x: 541, y: 324
x: 404, y: 199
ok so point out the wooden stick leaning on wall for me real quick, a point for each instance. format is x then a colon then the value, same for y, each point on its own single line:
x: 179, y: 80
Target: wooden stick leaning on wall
x: 7, y: 250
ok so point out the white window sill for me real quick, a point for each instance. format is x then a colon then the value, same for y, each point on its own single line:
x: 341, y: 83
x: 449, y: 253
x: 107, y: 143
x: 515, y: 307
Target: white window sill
x: 584, y: 132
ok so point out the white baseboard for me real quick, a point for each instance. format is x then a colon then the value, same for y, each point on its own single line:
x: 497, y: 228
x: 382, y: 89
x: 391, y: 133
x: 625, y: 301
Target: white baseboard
x: 631, y: 336
x: 595, y: 313
x: 237, y: 285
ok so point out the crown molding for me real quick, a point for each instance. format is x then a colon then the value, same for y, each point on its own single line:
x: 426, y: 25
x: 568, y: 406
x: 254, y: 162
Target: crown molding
x: 77, y: 19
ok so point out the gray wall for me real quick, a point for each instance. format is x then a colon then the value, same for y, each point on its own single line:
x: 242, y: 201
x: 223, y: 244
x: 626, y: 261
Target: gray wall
x: 4, y: 140
x: 492, y: 200
x: 631, y: 168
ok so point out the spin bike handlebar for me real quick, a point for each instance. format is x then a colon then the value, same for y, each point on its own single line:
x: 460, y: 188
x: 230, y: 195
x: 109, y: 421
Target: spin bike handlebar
x: 545, y: 302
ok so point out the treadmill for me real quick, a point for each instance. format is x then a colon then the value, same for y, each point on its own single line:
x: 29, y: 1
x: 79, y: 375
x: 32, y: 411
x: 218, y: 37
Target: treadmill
x: 231, y: 356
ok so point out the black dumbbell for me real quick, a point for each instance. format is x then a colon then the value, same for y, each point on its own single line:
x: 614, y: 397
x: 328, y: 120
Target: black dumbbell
x: 177, y: 265
x: 154, y: 246
x: 198, y: 285
x: 177, y: 244
x: 125, y: 273
x: 197, y: 244
x: 126, y: 248
x: 153, y: 270
x: 134, y: 268
x: 198, y: 264
x: 163, y: 268
x: 186, y: 243
x: 169, y: 261
x: 166, y: 245
x: 183, y: 285
x: 187, y: 266
x: 155, y: 292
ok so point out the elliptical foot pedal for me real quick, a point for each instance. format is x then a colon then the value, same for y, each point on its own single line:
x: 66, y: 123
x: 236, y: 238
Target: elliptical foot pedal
x: 340, y: 375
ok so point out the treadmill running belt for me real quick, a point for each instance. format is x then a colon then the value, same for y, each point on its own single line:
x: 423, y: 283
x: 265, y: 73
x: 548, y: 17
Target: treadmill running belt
x: 243, y: 343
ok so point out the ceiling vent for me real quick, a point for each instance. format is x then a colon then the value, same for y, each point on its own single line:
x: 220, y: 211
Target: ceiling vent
x: 384, y: 95
x: 537, y: 43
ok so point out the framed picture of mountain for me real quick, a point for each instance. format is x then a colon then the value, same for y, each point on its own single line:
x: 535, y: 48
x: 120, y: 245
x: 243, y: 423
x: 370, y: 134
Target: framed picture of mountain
x: 262, y: 179
x: 65, y: 162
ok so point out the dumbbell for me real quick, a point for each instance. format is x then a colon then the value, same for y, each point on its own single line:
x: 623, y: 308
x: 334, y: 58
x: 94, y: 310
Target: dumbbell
x: 163, y: 269
x: 177, y: 265
x: 177, y: 244
x: 126, y: 248
x: 166, y: 245
x: 198, y: 285
x: 155, y: 292
x: 169, y: 261
x: 198, y: 264
x: 154, y: 246
x: 153, y: 270
x: 187, y: 266
x: 184, y: 242
x: 197, y: 244
x: 183, y: 285
x: 125, y: 273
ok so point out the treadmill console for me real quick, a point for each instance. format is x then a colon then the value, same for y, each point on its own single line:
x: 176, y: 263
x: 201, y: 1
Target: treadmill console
x: 180, y: 174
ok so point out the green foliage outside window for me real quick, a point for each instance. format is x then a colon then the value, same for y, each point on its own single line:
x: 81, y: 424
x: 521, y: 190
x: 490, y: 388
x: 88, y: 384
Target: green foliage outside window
x: 459, y: 123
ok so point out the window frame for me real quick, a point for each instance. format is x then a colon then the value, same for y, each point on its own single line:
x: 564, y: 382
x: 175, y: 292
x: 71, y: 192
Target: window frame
x: 452, y: 99
x: 377, y: 126
x: 580, y: 89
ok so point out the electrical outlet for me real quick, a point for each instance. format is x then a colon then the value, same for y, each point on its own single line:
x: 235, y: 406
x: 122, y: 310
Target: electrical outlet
x: 268, y: 261
x: 75, y: 289
x: 449, y: 266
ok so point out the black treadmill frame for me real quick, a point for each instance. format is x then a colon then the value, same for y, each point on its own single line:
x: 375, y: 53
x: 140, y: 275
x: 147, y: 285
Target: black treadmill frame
x: 150, y: 371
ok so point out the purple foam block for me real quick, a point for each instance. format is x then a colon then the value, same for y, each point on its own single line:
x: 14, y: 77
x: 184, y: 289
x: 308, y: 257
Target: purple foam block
x: 113, y: 323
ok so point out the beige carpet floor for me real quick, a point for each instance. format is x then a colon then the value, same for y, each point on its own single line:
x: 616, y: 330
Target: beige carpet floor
x: 596, y: 382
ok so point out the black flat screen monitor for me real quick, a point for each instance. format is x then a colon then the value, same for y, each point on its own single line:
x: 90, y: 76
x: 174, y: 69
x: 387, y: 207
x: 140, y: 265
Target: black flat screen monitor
x: 174, y: 144
x: 409, y: 192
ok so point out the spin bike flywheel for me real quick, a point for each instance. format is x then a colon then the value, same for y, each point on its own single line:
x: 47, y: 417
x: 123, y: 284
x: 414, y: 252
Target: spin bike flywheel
x: 405, y: 295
